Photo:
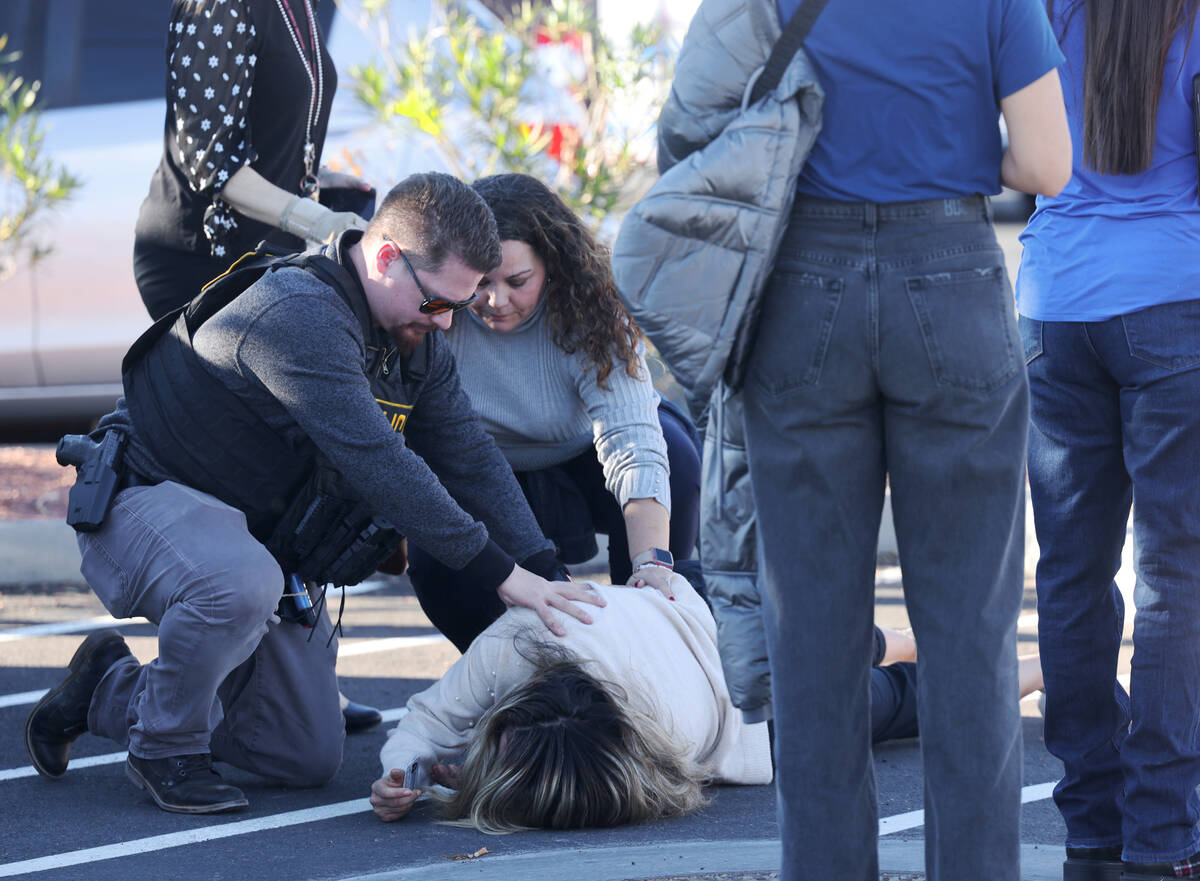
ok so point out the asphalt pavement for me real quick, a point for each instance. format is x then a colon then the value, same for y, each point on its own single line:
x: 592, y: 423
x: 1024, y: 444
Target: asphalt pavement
x: 93, y: 824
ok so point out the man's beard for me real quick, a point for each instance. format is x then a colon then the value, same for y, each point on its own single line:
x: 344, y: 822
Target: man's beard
x: 408, y: 336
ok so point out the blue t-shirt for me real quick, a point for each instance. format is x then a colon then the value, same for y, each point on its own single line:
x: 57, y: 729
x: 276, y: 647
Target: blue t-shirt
x: 912, y: 92
x: 1109, y: 245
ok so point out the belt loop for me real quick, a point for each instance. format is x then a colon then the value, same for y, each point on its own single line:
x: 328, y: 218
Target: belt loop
x: 987, y: 207
x: 870, y: 215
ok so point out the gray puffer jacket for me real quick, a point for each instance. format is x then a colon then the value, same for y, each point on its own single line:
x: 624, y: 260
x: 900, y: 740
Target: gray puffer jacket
x: 735, y: 194
x: 728, y: 556
x: 693, y: 256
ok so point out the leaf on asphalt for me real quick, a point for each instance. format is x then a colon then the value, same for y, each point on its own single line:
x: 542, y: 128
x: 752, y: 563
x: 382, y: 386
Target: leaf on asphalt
x: 467, y: 856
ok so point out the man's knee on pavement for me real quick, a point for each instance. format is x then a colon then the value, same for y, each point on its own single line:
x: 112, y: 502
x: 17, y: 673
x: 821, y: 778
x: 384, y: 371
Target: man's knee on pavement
x: 315, y: 766
x: 319, y: 772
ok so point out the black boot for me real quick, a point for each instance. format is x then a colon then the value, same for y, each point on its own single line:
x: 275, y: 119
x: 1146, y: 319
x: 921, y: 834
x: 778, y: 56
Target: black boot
x: 184, y: 784
x: 61, y: 715
x: 359, y: 717
x: 1093, y: 864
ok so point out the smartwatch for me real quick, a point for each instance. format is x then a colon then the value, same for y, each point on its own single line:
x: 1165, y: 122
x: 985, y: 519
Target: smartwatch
x: 654, y: 557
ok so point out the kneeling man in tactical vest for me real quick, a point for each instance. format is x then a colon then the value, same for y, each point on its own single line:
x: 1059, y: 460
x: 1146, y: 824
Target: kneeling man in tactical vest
x: 288, y: 432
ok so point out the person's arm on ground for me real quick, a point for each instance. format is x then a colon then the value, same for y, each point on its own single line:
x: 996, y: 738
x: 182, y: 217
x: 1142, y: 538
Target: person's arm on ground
x: 441, y: 719
x: 1029, y: 674
x: 899, y: 645
x: 391, y: 797
x: 1038, y: 158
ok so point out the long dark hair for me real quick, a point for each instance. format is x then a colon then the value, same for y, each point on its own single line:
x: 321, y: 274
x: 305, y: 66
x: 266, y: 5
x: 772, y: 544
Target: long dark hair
x: 1125, y: 59
x: 584, y: 310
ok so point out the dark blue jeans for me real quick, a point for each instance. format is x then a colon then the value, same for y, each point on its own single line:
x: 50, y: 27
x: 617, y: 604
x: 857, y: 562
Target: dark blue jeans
x: 893, y: 702
x: 461, y: 609
x: 1116, y: 414
x: 888, y: 349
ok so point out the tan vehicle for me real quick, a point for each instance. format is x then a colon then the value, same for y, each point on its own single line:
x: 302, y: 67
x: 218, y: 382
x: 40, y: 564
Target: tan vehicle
x: 66, y: 321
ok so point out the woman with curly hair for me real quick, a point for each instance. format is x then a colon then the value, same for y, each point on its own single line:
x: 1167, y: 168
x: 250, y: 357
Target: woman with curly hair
x: 555, y: 367
x: 620, y: 721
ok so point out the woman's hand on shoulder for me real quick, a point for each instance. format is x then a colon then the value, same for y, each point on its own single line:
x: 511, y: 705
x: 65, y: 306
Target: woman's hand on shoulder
x: 659, y: 577
x: 390, y: 798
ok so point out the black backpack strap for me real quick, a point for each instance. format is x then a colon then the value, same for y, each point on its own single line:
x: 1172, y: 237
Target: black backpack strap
x: 244, y: 272
x: 215, y: 294
x: 790, y: 40
x: 339, y: 278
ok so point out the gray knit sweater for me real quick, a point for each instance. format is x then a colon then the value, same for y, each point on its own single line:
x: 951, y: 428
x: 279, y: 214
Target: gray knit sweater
x: 544, y: 406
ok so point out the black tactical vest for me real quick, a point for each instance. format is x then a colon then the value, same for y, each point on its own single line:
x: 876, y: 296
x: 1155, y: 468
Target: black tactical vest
x: 203, y: 433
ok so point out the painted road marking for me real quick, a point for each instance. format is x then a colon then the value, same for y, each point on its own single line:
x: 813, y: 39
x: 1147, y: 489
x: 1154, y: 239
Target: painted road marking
x: 57, y: 628
x: 178, y: 839
x: 887, y: 826
x: 21, y: 698
x: 89, y: 762
x: 363, y: 647
x: 370, y: 646
x: 391, y: 715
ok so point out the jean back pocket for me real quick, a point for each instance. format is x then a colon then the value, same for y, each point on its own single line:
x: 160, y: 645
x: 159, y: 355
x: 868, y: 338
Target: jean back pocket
x: 1166, y: 335
x: 794, y: 327
x: 968, y: 324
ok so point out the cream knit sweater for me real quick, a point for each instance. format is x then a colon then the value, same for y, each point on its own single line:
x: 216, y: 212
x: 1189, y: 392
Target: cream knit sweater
x: 662, y: 652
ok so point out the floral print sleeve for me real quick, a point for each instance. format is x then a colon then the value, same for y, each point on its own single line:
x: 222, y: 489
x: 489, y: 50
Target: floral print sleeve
x: 211, y: 69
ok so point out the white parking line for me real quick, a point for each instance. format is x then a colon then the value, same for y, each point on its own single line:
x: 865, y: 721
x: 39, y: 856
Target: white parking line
x: 57, y: 628
x: 364, y: 647
x: 913, y: 819
x: 89, y: 762
x: 21, y: 697
x: 370, y: 646
x: 887, y: 826
x: 178, y: 839
x: 391, y: 715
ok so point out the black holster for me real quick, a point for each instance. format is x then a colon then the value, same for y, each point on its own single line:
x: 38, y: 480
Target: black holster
x: 98, y: 473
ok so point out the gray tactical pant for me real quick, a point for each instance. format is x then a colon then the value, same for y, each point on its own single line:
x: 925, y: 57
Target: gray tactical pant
x: 229, y: 678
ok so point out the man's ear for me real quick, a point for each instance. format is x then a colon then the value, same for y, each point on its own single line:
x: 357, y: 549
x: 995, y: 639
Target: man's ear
x: 385, y: 255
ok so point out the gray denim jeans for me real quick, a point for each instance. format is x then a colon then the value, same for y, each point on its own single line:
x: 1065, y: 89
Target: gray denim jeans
x: 888, y: 349
x: 229, y: 677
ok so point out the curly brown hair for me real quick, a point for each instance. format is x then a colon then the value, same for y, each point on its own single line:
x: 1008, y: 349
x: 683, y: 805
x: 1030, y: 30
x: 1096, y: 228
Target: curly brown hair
x: 585, y: 313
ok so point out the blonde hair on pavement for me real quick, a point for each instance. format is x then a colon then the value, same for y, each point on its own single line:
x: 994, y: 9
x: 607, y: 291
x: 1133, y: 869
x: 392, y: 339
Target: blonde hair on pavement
x: 566, y: 751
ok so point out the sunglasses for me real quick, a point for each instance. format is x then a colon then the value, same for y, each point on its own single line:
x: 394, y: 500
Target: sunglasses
x: 431, y: 305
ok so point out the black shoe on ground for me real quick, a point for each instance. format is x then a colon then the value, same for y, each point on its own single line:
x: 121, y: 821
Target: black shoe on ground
x: 1093, y: 864
x: 184, y: 784
x: 1188, y: 868
x: 360, y: 717
x: 61, y: 715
